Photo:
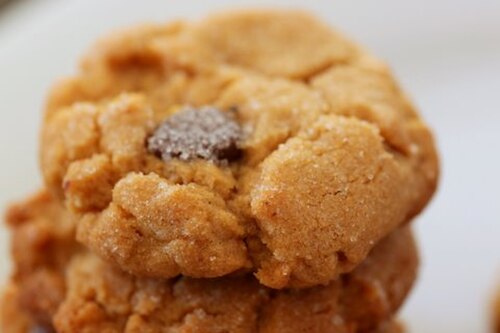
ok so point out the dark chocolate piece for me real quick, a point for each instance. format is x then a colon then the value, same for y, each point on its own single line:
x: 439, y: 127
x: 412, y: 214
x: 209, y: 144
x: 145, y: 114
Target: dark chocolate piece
x: 205, y: 133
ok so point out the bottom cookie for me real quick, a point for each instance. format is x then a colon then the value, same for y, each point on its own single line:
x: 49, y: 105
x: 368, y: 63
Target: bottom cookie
x: 13, y: 319
x: 59, y: 287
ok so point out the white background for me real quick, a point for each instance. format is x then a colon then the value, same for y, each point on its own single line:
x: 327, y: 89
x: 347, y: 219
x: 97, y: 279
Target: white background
x: 446, y: 53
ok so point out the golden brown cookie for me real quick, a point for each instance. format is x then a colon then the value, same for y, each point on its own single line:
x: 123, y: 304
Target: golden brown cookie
x: 43, y: 242
x: 13, y: 318
x: 96, y: 296
x: 302, y: 156
x: 102, y: 298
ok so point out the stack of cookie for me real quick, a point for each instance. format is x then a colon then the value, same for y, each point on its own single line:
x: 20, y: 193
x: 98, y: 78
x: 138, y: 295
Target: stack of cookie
x: 252, y: 172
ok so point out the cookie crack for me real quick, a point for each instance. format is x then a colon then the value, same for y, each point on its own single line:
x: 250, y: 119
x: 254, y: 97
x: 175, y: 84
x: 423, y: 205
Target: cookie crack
x: 306, y: 79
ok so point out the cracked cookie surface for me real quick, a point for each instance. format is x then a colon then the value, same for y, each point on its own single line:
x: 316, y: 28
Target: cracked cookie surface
x: 103, y: 298
x: 93, y: 296
x: 333, y: 155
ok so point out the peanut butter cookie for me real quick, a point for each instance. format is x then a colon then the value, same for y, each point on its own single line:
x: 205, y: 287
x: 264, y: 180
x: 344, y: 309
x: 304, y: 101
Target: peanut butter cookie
x: 102, y: 298
x: 255, y: 141
x: 58, y: 286
x: 13, y: 318
x: 43, y: 242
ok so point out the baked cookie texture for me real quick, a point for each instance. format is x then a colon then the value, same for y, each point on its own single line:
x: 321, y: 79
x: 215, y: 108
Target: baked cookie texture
x: 90, y: 295
x: 43, y: 243
x: 332, y: 155
x: 13, y: 318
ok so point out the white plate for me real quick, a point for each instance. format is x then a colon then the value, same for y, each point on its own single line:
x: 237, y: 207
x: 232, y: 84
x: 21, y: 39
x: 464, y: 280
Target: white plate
x: 447, y: 55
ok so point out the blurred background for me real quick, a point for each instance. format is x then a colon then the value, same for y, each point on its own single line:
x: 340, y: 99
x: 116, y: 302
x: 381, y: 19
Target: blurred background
x: 445, y: 53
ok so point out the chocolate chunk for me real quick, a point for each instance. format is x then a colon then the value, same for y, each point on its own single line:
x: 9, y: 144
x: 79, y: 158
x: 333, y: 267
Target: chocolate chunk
x: 205, y: 133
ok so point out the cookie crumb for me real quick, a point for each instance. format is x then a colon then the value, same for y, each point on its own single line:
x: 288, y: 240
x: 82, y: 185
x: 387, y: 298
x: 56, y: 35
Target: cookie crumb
x: 205, y: 133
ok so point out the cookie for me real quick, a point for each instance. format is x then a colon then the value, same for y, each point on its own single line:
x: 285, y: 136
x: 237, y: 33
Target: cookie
x: 309, y: 154
x: 95, y: 296
x: 43, y: 242
x: 103, y: 298
x: 13, y: 319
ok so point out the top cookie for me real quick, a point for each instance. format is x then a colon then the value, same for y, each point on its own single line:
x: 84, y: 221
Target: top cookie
x: 256, y: 140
